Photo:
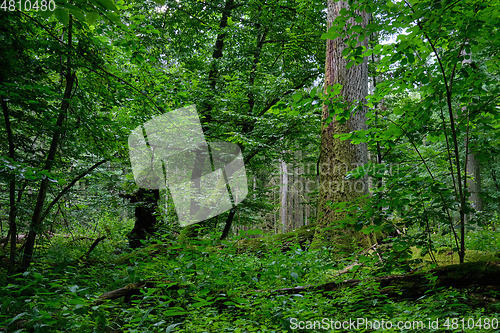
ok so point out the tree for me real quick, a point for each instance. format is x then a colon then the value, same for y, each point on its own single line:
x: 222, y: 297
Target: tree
x: 53, y: 120
x: 246, y: 60
x: 348, y: 82
x: 436, y: 102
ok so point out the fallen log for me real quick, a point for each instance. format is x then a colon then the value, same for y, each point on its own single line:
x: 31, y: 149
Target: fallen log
x: 412, y: 286
x: 128, y: 291
x: 133, y: 289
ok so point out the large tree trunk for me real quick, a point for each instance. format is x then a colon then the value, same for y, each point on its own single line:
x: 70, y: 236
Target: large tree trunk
x: 474, y: 182
x: 472, y: 167
x: 338, y: 157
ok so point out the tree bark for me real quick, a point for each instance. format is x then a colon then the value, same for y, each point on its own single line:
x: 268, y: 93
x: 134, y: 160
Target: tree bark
x: 474, y: 182
x: 283, y: 195
x: 217, y: 53
x: 338, y: 157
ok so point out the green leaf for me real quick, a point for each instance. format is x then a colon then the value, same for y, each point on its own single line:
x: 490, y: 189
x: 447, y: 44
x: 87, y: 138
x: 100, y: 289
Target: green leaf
x: 394, y: 130
x: 107, y: 4
x: 171, y: 327
x: 175, y: 311
x: 312, y: 93
x: 92, y: 17
x: 160, y: 2
x: 411, y: 58
x: 17, y: 317
x: 297, y: 96
x: 78, y: 14
x: 357, y: 28
x: 330, y: 35
x: 398, y: 111
x: 45, y: 14
x: 62, y: 16
x: 114, y: 17
x: 349, y: 64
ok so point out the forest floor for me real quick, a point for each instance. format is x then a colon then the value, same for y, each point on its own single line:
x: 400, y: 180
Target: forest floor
x: 205, y: 287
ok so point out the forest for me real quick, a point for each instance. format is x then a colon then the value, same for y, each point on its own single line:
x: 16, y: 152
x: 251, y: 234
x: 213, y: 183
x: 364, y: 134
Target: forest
x: 249, y: 166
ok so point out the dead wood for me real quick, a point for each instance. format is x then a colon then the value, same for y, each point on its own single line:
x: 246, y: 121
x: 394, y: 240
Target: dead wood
x: 128, y: 291
x: 133, y: 289
x: 483, y: 275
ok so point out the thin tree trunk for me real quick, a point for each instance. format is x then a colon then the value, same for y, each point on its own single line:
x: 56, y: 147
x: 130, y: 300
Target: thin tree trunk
x: 229, y: 222
x: 338, y: 157
x: 12, y: 191
x: 217, y: 53
x: 36, y: 219
x: 283, y: 196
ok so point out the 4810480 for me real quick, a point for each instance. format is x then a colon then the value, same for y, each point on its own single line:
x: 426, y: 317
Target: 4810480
x: 28, y: 5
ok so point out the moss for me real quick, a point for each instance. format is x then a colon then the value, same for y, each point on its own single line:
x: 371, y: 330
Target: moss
x: 301, y: 237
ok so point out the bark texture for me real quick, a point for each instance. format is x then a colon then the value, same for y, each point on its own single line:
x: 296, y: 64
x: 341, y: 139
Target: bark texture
x: 338, y: 157
x: 474, y: 182
x: 284, y: 196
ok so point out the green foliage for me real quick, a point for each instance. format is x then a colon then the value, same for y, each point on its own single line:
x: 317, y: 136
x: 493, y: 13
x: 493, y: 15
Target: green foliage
x: 435, y: 101
x: 252, y: 68
x: 204, y: 288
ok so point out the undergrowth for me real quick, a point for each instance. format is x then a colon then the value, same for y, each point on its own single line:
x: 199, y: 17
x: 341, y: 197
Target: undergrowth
x: 207, y: 288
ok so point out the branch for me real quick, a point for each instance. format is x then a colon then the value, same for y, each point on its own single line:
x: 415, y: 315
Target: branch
x: 92, y: 247
x: 192, y: 16
x: 88, y: 58
x: 289, y: 91
x: 69, y: 186
x: 276, y: 138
